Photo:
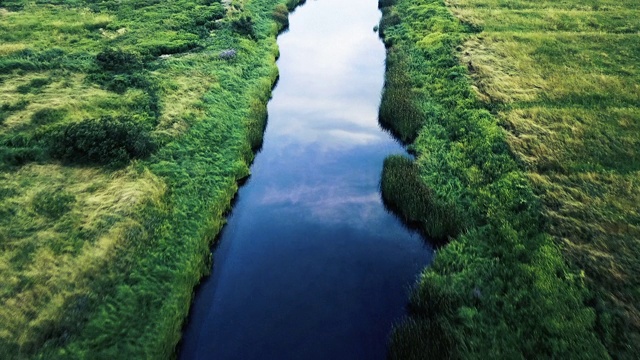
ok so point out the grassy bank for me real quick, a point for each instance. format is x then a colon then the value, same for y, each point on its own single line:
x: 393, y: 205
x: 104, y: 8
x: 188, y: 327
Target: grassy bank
x: 124, y: 128
x: 569, y: 102
x: 523, y: 120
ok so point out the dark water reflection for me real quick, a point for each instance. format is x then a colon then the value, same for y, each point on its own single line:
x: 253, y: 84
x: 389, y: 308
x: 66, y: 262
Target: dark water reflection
x: 311, y: 265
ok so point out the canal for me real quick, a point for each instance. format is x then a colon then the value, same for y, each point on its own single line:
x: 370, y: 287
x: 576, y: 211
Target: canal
x: 311, y: 265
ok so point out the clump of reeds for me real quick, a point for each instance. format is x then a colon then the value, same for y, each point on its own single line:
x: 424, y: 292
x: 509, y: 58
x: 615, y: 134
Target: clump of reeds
x: 398, y: 111
x: 405, y: 191
x: 281, y: 16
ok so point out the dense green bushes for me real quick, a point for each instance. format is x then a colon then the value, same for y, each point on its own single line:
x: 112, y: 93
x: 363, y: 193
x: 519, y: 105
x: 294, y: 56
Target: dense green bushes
x: 244, y: 26
x: 206, y: 19
x: 47, y: 116
x: 53, y: 58
x: 118, y: 60
x: 12, y: 156
x: 106, y: 140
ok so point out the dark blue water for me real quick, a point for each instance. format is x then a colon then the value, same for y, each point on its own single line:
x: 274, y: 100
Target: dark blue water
x: 310, y: 264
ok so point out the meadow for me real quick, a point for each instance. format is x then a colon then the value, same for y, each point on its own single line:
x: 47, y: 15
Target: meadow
x: 523, y: 117
x: 124, y: 129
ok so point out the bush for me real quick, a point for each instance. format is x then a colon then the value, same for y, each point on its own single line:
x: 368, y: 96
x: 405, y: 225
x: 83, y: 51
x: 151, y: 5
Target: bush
x: 208, y: 17
x: 30, y: 60
x: 244, y: 26
x: 47, y: 116
x: 118, y: 60
x: 120, y: 83
x: 18, y: 156
x: 106, y: 140
x: 291, y: 4
x: 177, y: 46
x: 385, y: 3
x: 390, y: 18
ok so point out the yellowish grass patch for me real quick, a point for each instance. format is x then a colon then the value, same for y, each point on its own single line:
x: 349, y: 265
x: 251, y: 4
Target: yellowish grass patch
x: 565, y: 78
x: 181, y: 98
x: 38, y: 277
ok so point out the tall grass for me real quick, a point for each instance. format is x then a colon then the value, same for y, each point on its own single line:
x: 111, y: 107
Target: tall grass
x: 404, y: 191
x: 100, y: 261
x: 501, y: 288
x: 563, y: 96
x: 398, y: 112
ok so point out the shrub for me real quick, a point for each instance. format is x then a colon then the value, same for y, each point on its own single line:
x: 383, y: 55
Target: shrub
x: 177, y: 46
x: 291, y: 4
x: 244, y: 26
x: 12, y: 156
x: 106, y: 140
x: 122, y: 82
x: 208, y: 17
x: 385, y: 3
x: 47, y: 116
x: 30, y: 60
x: 118, y: 60
x: 390, y: 18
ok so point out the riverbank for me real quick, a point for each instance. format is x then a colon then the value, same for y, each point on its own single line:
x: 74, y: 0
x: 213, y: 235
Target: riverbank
x: 102, y: 241
x: 476, y: 97
x: 311, y: 265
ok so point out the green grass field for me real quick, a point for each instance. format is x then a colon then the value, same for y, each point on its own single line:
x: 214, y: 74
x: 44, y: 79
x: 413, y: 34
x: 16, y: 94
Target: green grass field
x: 576, y: 133
x: 524, y: 118
x: 124, y: 127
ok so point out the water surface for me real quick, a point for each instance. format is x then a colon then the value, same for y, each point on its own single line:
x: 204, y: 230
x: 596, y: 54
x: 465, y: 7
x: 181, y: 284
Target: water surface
x: 310, y: 264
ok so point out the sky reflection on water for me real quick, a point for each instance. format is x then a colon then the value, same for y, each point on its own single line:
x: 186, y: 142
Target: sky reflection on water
x: 311, y: 265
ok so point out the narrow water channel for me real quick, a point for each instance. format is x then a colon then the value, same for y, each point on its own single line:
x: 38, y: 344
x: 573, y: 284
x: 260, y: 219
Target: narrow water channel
x: 311, y: 265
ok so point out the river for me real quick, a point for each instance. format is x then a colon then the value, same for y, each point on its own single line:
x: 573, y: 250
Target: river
x: 311, y: 265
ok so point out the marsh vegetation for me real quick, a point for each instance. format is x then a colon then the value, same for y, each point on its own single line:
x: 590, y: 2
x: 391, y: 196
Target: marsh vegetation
x: 529, y: 141
x: 122, y: 135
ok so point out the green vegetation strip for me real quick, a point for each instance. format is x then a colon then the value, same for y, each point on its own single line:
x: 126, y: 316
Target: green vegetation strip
x: 501, y: 288
x: 562, y: 79
x: 124, y: 128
